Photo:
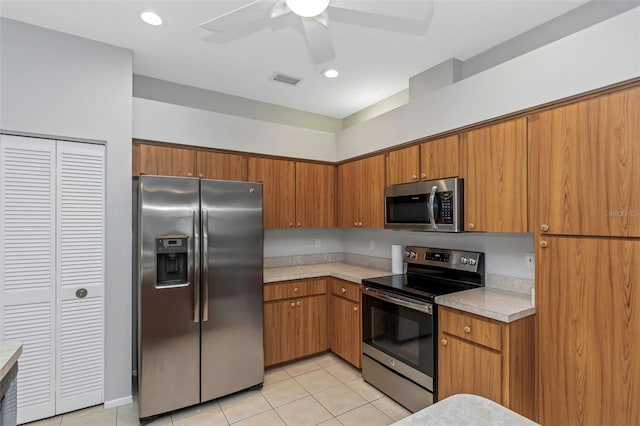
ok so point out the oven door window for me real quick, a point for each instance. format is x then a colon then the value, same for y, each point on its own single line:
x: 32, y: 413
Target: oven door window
x: 407, y: 209
x: 400, y: 332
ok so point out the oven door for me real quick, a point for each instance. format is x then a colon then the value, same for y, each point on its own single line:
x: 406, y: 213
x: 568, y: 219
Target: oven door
x: 398, y: 332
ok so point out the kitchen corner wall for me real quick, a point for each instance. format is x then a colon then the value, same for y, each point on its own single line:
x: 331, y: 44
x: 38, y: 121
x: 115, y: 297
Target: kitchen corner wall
x: 65, y: 87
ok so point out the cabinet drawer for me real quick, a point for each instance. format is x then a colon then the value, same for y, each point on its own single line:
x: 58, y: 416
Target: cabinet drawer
x: 471, y: 327
x: 346, y: 289
x: 298, y: 288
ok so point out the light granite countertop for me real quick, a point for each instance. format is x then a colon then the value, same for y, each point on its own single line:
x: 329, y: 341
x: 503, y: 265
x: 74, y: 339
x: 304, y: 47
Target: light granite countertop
x: 10, y: 351
x: 343, y: 271
x: 465, y: 410
x: 501, y: 305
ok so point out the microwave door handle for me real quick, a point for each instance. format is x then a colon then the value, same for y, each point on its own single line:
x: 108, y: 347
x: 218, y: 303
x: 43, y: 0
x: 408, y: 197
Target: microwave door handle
x: 432, y: 199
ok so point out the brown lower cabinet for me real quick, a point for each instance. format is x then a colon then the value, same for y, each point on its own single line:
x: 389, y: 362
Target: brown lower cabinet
x: 489, y: 358
x: 345, y: 328
x: 295, y: 319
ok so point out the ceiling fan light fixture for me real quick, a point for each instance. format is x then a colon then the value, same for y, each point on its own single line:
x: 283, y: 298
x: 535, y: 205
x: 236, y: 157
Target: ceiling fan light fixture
x: 330, y: 73
x: 307, y: 8
x: 151, y: 18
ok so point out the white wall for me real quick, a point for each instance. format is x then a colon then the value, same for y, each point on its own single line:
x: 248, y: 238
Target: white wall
x: 295, y: 242
x: 606, y: 53
x: 161, y: 121
x: 63, y: 86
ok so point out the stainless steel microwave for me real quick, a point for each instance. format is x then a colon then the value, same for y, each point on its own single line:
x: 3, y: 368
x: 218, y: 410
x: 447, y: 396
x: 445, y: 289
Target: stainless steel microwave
x: 435, y: 205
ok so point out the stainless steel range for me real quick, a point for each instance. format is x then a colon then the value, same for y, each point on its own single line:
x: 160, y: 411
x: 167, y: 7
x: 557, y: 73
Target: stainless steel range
x: 399, y: 321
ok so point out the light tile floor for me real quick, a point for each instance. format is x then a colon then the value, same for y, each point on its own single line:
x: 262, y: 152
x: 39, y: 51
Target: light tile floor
x: 323, y: 390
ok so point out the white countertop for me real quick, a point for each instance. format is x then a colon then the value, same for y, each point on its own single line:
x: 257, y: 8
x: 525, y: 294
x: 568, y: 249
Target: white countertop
x: 501, y: 305
x: 465, y: 410
x: 9, y: 353
x: 343, y: 271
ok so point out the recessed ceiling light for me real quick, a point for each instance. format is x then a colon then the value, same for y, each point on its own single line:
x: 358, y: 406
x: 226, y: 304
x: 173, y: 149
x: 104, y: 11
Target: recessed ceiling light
x: 151, y: 18
x: 330, y: 73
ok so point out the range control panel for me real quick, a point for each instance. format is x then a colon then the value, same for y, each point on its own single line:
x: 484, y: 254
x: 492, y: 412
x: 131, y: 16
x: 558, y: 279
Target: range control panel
x: 444, y: 258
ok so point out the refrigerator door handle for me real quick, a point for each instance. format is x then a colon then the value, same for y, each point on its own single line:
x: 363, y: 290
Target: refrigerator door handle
x: 196, y: 271
x: 205, y: 265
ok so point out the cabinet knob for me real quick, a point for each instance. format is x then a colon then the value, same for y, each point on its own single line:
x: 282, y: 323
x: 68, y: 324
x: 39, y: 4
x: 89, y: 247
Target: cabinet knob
x: 190, y: 174
x: 295, y: 290
x: 471, y: 226
x: 355, y: 309
x: 414, y: 177
x: 290, y: 224
x: 544, y: 227
x: 444, y: 342
x: 543, y: 244
x: 423, y: 175
x: 201, y: 175
x: 360, y: 224
x: 467, y: 329
x: 355, y: 224
x: 293, y: 304
x: 298, y: 303
x: 299, y: 224
x: 343, y: 290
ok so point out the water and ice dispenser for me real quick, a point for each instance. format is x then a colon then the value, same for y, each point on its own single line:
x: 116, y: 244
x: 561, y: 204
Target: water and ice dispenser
x: 171, y: 261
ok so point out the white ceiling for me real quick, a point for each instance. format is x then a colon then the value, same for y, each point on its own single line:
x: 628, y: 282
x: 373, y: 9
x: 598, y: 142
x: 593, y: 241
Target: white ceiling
x: 376, y: 56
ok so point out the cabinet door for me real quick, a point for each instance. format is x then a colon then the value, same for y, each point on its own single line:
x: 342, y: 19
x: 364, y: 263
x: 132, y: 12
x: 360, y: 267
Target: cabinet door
x: 588, y: 169
x: 403, y: 165
x: 346, y: 338
x: 279, y: 332
x: 166, y: 161
x: 468, y: 368
x: 311, y: 331
x: 217, y: 165
x: 440, y: 158
x: 278, y: 189
x: 315, y: 195
x: 347, y: 205
x: 588, y: 310
x: 495, y: 179
x: 370, y: 187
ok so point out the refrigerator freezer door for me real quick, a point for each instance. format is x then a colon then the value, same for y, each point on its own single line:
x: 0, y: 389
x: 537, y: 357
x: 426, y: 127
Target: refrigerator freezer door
x: 232, y: 267
x: 168, y: 223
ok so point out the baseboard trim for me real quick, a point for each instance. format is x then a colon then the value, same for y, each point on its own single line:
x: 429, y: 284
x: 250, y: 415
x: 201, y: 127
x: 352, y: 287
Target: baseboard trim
x: 118, y: 402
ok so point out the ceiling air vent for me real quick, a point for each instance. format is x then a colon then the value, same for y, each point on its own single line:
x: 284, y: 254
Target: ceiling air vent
x: 286, y: 79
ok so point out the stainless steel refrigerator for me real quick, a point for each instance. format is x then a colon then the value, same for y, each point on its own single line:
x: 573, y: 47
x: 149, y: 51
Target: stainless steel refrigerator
x: 198, y: 247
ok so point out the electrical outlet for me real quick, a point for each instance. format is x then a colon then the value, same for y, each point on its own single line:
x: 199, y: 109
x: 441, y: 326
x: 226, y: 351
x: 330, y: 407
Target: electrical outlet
x: 372, y: 244
x: 318, y: 242
x: 530, y: 260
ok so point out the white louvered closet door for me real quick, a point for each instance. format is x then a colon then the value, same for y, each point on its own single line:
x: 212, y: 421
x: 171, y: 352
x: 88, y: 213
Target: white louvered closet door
x: 80, y: 275
x: 52, y: 271
x: 27, y: 262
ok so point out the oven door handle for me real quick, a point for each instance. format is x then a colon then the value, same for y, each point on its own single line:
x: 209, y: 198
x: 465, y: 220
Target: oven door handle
x: 426, y: 308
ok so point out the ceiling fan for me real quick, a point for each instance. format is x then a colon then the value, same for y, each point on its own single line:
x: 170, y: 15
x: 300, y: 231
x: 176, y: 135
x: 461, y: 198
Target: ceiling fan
x: 315, y: 19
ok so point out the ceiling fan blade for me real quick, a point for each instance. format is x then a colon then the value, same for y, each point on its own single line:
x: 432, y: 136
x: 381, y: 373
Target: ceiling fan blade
x: 280, y: 8
x: 240, y: 17
x: 414, y: 10
x: 318, y: 40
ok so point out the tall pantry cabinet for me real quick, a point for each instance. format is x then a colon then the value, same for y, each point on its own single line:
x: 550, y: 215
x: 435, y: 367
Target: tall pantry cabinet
x: 588, y: 260
x: 52, y: 257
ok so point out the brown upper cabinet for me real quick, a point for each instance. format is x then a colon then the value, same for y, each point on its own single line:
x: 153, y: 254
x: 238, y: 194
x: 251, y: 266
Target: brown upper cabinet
x: 315, y: 195
x: 278, y: 192
x: 361, y: 193
x: 436, y: 159
x: 588, y: 162
x: 163, y: 160
x: 218, y: 165
x: 495, y: 177
x: 295, y: 194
